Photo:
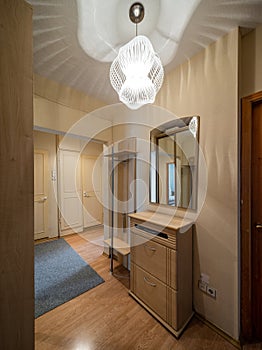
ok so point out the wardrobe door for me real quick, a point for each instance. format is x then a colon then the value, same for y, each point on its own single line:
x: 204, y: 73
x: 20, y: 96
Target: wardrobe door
x: 17, y: 177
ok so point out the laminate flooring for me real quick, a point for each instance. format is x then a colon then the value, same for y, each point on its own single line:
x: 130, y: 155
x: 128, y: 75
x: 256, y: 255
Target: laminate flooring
x: 257, y: 346
x: 106, y: 317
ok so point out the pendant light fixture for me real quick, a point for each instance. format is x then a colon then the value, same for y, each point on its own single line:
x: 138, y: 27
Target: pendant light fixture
x: 137, y: 72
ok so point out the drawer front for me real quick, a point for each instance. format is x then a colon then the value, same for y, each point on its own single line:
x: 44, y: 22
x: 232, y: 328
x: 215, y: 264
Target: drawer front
x: 151, y: 256
x: 166, y: 237
x: 151, y: 291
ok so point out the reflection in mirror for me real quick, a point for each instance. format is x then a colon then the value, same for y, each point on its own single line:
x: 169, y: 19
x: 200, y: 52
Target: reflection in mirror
x: 174, y: 159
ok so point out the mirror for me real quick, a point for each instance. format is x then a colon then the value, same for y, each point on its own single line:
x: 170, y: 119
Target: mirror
x: 173, y: 163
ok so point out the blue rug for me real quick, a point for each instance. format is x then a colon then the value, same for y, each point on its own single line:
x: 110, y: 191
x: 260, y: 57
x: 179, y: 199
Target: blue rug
x: 60, y: 275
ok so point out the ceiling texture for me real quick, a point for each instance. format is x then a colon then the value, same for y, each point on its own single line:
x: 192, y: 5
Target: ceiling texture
x: 75, y: 41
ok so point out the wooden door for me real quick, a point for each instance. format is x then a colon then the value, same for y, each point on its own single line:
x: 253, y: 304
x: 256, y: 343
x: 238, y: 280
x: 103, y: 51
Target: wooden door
x: 16, y: 179
x: 92, y: 190
x: 71, y: 217
x: 251, y: 218
x: 256, y: 219
x: 40, y: 194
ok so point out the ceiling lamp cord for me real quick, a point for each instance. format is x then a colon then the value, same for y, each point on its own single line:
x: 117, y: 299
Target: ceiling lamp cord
x: 137, y: 72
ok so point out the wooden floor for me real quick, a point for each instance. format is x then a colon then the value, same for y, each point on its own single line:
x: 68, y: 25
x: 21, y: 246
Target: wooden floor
x: 253, y: 347
x: 106, y: 317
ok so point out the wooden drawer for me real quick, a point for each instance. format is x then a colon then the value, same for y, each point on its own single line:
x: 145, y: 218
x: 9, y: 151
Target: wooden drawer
x: 150, y: 255
x: 165, y: 237
x: 151, y: 291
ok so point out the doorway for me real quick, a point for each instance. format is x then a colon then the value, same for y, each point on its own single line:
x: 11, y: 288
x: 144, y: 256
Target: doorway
x: 69, y: 182
x: 63, y: 171
x: 251, y: 218
x: 92, y: 190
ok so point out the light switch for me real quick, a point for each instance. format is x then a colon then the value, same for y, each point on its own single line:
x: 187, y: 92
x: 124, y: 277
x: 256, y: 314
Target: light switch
x: 204, y: 278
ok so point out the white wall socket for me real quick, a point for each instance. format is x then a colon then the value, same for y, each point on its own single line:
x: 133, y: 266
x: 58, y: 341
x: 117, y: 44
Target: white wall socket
x: 212, y: 292
x: 204, y: 287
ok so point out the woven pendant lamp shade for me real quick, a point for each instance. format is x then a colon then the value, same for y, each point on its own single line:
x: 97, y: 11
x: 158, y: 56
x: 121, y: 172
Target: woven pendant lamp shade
x: 137, y: 73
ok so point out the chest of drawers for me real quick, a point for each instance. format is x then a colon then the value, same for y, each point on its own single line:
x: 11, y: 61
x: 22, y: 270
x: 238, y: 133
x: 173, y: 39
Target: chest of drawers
x: 161, y: 268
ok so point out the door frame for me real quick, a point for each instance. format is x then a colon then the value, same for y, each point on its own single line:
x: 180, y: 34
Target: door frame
x: 245, y: 215
x: 46, y: 187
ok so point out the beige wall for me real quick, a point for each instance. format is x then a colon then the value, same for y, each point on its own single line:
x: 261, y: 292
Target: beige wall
x: 251, y: 66
x: 55, y: 116
x: 64, y: 95
x: 207, y: 85
x: 93, y: 149
x: 47, y: 142
x: 63, y: 109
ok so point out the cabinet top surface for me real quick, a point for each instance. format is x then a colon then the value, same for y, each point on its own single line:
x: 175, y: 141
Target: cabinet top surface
x: 160, y: 219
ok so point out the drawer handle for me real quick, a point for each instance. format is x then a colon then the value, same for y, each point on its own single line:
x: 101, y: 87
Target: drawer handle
x: 150, y: 283
x: 150, y: 248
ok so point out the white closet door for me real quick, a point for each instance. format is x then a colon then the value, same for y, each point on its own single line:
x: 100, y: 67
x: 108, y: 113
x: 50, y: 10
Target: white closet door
x: 70, y: 192
x: 92, y: 188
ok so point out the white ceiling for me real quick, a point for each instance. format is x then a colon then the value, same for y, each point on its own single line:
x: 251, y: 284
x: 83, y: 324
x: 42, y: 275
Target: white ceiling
x: 58, y: 54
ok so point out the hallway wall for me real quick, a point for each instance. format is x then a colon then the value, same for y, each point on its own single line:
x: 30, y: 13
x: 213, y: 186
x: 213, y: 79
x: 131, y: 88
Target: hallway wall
x: 207, y: 85
x: 63, y: 109
x: 251, y: 67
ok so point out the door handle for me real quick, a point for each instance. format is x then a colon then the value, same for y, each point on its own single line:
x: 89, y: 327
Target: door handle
x: 85, y: 194
x: 258, y: 225
x: 150, y: 248
x: 41, y: 200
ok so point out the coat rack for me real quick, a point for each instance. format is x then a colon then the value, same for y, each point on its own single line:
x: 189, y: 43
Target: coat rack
x: 115, y: 243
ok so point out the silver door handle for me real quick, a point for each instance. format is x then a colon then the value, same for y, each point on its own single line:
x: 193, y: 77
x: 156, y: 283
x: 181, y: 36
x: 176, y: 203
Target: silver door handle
x: 258, y: 225
x: 150, y: 283
x: 85, y: 194
x: 41, y: 200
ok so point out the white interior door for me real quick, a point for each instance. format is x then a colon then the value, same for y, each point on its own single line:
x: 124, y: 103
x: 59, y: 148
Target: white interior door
x: 70, y: 192
x: 40, y: 194
x: 92, y: 190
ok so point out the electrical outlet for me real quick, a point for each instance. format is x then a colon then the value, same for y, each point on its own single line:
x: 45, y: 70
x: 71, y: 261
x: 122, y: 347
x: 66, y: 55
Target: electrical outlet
x: 212, y: 292
x: 202, y: 286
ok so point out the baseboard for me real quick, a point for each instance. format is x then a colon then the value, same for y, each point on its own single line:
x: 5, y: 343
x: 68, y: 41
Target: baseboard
x: 70, y: 231
x: 231, y: 340
x: 87, y: 228
x: 43, y: 240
